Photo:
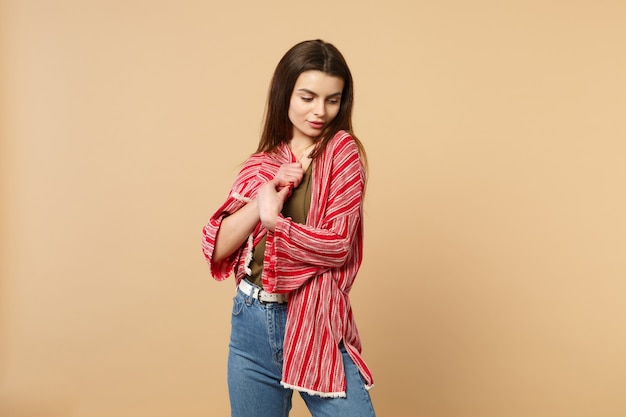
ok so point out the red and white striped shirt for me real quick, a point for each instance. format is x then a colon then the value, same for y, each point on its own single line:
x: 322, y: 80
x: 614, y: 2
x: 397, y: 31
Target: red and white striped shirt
x: 316, y: 262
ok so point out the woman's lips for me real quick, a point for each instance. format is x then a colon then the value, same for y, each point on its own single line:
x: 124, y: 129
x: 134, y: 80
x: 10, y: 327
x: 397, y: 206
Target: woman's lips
x: 316, y: 125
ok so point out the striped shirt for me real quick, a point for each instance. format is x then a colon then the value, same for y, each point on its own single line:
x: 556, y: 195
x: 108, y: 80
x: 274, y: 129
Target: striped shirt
x: 316, y: 262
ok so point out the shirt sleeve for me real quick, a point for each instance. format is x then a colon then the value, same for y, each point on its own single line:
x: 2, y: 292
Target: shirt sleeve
x: 243, y: 190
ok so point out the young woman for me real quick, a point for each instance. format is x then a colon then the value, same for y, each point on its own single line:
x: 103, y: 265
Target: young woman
x: 291, y: 232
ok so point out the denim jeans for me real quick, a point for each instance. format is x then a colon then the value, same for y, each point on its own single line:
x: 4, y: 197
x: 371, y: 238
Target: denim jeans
x: 255, y: 363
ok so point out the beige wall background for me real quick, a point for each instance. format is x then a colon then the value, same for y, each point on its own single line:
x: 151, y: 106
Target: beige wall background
x: 494, y: 278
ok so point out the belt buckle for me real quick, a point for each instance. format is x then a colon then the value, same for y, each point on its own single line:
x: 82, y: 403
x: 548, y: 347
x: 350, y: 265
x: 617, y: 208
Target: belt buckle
x: 261, y: 290
x: 282, y: 300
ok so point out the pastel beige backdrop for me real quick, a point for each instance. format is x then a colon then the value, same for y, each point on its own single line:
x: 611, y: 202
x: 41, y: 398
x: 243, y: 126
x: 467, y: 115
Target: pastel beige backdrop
x: 494, y: 276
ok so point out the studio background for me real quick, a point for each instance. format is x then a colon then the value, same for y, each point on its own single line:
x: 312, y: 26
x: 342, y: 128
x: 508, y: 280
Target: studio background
x: 493, y: 283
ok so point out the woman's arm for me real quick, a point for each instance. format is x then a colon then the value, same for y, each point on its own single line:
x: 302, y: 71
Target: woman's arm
x: 234, y: 230
x: 295, y: 253
x: 237, y: 226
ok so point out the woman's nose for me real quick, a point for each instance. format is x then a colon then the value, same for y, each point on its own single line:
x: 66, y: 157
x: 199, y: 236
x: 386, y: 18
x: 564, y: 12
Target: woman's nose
x: 320, y: 109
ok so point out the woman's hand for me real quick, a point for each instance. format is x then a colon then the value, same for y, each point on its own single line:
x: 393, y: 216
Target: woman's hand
x: 289, y: 174
x: 271, y: 197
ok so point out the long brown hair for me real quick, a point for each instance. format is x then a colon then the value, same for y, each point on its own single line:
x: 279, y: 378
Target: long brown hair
x: 313, y: 55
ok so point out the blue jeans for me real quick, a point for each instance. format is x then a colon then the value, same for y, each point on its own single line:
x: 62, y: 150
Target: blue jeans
x: 255, y: 363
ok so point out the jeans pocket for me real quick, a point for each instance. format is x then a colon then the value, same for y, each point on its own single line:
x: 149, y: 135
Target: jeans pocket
x: 237, y: 305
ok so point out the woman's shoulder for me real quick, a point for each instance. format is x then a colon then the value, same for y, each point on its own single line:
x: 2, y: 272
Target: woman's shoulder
x: 265, y: 163
x: 279, y: 153
x: 261, y: 157
x: 342, y: 135
x: 342, y: 141
x: 253, y: 160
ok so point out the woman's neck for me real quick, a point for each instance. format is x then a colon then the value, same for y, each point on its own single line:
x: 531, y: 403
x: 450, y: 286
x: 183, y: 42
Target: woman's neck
x: 301, y: 147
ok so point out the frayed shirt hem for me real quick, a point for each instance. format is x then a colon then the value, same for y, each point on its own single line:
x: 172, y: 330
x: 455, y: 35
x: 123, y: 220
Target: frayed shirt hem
x: 241, y: 198
x: 339, y: 394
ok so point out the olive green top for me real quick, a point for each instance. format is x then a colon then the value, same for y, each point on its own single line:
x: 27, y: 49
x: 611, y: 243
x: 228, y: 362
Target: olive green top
x: 296, y: 207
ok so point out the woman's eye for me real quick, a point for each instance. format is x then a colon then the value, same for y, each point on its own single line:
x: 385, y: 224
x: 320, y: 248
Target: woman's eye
x: 307, y: 99
x: 333, y: 101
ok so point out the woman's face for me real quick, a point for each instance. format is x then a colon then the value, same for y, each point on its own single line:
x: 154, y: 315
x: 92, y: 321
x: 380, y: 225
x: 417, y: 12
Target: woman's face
x: 315, y: 101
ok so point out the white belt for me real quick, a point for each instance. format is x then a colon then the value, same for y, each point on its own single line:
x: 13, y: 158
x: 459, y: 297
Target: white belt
x: 260, y: 294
